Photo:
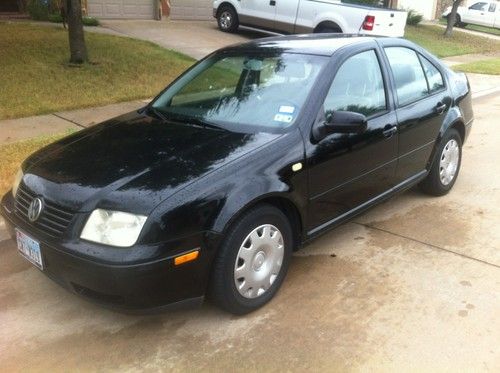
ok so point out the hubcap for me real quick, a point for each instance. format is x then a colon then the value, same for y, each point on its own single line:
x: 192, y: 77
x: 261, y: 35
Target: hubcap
x: 226, y: 20
x: 259, y: 261
x: 448, y: 163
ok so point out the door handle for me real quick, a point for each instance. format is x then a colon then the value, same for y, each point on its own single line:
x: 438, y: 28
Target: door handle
x: 440, y: 108
x: 272, y: 2
x: 389, y: 130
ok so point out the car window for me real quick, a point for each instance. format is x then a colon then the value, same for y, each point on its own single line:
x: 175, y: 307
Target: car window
x: 492, y: 7
x: 358, y: 86
x: 243, y: 91
x: 434, y: 76
x: 479, y: 6
x: 409, y: 77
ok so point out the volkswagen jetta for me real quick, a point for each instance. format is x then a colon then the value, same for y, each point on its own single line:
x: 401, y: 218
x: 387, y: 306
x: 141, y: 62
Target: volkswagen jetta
x: 252, y: 152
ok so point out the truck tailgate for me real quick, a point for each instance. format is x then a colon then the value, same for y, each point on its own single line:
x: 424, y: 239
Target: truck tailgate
x: 388, y: 22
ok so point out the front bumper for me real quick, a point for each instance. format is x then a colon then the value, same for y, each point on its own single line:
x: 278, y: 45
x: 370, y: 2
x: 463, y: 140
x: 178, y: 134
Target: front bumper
x: 137, y: 278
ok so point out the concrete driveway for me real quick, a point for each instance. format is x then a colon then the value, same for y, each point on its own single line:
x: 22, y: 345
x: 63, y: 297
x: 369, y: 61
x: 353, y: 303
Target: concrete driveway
x: 412, y: 284
x: 196, y: 39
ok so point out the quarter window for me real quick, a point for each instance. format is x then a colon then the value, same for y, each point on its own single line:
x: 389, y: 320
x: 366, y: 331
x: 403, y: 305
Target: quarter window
x: 409, y: 77
x: 358, y: 86
x: 492, y: 7
x: 434, y: 77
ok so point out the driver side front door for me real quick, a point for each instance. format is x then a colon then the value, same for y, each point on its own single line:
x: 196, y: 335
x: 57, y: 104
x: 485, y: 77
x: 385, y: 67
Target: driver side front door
x: 347, y: 170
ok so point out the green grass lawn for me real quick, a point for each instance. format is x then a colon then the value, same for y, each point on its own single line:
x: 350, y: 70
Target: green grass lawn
x: 488, y: 30
x: 36, y: 78
x: 431, y: 38
x: 12, y: 155
x: 491, y: 67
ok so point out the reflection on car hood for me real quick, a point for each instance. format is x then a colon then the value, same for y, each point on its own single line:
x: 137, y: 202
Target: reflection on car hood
x: 132, y: 162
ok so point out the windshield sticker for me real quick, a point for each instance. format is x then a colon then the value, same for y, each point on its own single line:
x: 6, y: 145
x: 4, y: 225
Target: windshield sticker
x: 287, y: 109
x: 285, y: 118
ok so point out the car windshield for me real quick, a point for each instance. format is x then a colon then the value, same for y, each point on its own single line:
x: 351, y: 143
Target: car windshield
x: 242, y: 92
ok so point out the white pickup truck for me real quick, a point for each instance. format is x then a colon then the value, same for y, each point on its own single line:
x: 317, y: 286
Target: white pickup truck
x: 306, y: 16
x: 484, y: 13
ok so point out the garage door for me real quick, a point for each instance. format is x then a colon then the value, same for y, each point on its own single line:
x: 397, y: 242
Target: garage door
x: 124, y: 9
x: 191, y: 9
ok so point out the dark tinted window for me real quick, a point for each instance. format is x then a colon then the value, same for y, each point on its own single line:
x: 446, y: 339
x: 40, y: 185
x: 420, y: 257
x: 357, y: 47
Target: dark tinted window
x: 479, y: 6
x: 434, y: 77
x: 492, y: 7
x: 358, y: 86
x: 409, y: 77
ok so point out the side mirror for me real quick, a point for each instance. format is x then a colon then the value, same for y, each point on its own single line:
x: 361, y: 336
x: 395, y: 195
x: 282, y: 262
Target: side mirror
x: 345, y: 122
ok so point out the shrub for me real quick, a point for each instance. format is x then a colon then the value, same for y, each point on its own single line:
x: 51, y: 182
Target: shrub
x: 414, y: 18
x: 38, y: 9
x: 90, y: 21
x: 56, y: 18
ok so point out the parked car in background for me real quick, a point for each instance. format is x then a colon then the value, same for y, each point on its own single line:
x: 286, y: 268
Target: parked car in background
x: 484, y: 13
x: 254, y: 151
x: 306, y: 16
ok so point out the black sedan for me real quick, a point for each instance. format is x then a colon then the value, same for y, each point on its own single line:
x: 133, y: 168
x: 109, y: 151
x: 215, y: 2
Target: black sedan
x: 252, y: 152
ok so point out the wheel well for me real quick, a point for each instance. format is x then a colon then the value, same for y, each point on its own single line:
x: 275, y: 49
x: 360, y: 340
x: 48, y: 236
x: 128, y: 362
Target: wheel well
x: 459, y: 126
x: 286, y: 207
x: 327, y: 24
x: 225, y: 5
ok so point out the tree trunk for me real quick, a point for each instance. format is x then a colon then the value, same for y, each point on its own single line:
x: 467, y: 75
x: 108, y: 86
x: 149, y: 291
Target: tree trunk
x: 452, y: 18
x: 77, y: 46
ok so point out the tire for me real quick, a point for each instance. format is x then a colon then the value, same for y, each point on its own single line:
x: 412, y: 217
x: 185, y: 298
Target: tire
x: 227, y: 19
x: 247, y: 263
x: 441, y: 177
x: 328, y: 30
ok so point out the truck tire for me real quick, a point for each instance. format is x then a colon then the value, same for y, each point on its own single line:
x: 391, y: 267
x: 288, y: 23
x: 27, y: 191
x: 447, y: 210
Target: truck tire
x: 227, y: 19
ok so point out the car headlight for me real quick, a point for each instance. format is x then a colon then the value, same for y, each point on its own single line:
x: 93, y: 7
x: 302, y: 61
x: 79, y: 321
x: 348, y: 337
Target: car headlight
x: 17, y: 181
x: 114, y: 228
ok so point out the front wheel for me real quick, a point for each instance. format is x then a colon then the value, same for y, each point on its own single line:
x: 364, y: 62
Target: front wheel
x: 252, y: 261
x: 227, y: 19
x: 445, y: 168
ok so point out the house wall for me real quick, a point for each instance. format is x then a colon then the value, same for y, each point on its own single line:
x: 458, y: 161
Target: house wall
x: 425, y: 7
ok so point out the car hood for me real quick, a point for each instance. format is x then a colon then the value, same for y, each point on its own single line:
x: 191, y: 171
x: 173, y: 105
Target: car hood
x: 132, y: 162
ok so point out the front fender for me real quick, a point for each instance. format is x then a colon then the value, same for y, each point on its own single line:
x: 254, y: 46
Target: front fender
x: 211, y: 204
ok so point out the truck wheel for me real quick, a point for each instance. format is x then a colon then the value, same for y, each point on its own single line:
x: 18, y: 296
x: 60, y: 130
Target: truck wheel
x: 446, y: 165
x: 328, y: 30
x: 252, y: 261
x: 227, y: 19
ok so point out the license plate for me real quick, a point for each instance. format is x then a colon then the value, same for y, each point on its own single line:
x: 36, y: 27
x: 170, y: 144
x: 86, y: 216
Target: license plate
x: 29, y: 248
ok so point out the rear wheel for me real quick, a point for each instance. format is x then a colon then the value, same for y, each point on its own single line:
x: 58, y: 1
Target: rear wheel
x: 445, y: 168
x: 327, y: 29
x: 227, y: 19
x: 252, y: 261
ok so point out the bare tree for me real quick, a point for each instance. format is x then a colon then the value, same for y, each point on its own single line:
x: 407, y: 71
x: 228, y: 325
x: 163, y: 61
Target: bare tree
x: 77, y: 46
x: 452, y: 17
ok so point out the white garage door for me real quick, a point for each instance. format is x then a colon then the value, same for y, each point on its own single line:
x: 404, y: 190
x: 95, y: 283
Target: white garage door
x: 191, y: 9
x: 124, y: 9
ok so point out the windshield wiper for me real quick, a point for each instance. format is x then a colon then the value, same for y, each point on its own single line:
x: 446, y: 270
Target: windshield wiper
x: 203, y: 123
x: 157, y: 113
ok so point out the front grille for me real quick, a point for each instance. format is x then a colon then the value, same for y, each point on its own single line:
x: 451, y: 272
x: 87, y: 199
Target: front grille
x: 54, y: 219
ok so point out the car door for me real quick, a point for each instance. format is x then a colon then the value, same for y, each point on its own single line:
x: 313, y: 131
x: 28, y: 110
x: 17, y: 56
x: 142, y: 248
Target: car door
x: 476, y: 13
x: 422, y: 102
x: 286, y: 14
x: 258, y: 13
x: 489, y: 18
x: 347, y: 170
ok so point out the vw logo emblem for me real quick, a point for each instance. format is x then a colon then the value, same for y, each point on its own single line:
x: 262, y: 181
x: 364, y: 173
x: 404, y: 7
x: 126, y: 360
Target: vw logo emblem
x: 35, y: 209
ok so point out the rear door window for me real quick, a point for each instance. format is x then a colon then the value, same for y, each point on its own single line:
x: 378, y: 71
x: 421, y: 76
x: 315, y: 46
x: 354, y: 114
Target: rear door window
x: 434, y: 76
x: 411, y: 84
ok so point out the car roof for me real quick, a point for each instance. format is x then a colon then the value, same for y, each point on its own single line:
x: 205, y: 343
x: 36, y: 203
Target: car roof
x: 319, y: 44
